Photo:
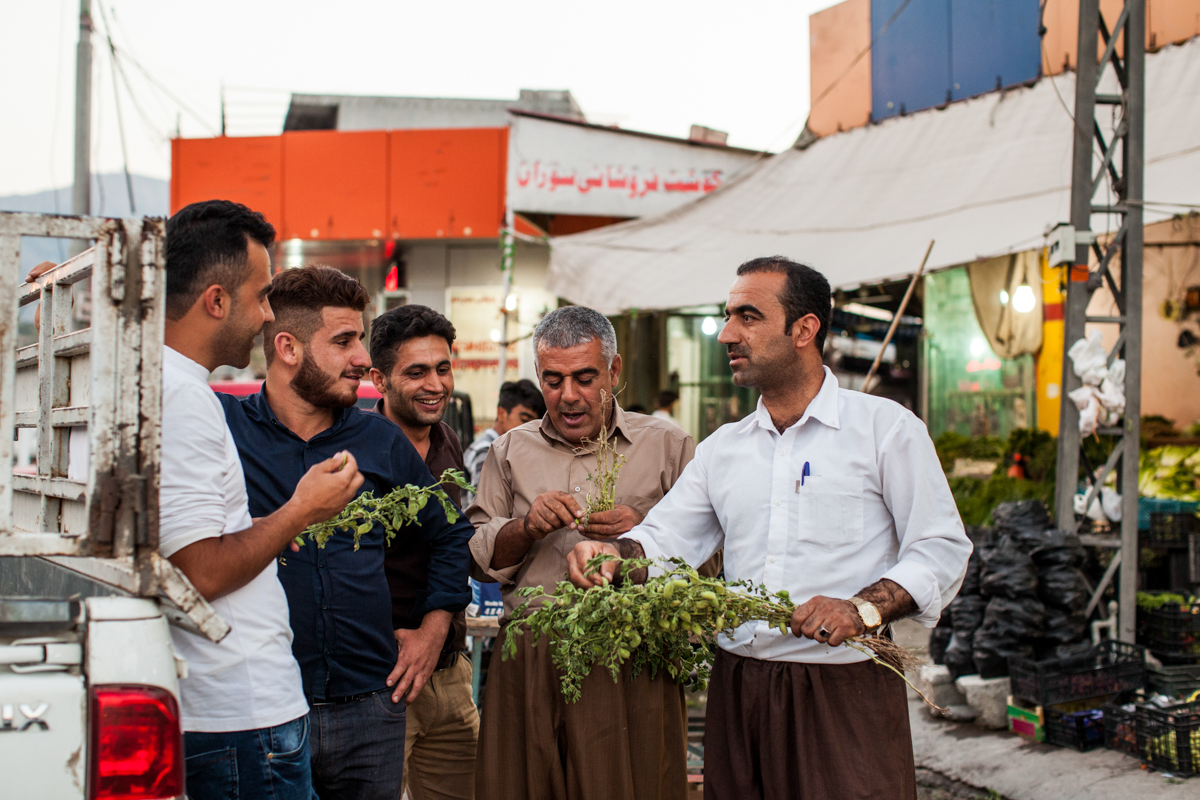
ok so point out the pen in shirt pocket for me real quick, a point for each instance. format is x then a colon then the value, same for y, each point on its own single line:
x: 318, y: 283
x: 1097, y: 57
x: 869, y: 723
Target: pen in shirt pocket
x: 804, y: 473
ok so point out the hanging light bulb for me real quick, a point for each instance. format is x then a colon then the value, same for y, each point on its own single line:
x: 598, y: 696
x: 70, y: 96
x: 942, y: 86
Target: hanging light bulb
x: 978, y: 346
x: 510, y: 302
x: 495, y: 335
x: 1023, y: 299
x: 1003, y: 297
x: 709, y: 326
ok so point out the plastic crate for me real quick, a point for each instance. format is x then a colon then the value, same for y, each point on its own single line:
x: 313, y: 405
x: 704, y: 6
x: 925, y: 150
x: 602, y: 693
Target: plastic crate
x: 1109, y: 668
x: 1174, y: 681
x: 1172, y: 633
x: 1171, y: 530
x: 1121, y: 727
x: 1155, y: 505
x: 1169, y: 738
x: 1081, y: 730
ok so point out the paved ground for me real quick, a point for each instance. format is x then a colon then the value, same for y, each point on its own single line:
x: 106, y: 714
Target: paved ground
x: 973, y: 760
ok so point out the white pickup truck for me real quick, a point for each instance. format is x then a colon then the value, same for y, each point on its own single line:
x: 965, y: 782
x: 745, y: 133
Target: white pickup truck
x: 89, y: 691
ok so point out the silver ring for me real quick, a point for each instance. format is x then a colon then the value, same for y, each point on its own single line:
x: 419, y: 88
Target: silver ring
x: 822, y: 631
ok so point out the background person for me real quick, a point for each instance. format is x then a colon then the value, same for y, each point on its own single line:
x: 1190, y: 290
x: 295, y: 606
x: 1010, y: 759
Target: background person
x: 410, y: 346
x: 623, y: 740
x: 244, y: 713
x: 339, y: 596
x: 520, y: 402
x: 665, y: 405
x: 829, y: 494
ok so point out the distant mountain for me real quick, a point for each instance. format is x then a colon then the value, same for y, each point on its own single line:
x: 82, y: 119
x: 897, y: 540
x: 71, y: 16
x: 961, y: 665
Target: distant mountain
x: 109, y: 199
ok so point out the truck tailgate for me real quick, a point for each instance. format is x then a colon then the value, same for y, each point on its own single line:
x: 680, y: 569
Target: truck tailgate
x: 43, y: 735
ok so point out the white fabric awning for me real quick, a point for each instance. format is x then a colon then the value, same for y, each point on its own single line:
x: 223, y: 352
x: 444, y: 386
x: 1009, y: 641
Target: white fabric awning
x: 983, y: 177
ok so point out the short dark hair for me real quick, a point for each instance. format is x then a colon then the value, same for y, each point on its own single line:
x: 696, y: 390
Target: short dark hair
x: 298, y: 296
x: 806, y: 291
x: 666, y: 397
x: 208, y: 243
x: 393, y: 328
x: 522, y: 393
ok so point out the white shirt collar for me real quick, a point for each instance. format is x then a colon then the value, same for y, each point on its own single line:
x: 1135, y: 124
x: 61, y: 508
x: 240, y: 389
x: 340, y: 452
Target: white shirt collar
x: 823, y: 407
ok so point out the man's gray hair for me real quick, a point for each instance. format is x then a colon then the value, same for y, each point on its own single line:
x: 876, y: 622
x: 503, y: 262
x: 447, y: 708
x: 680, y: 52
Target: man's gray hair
x: 575, y: 325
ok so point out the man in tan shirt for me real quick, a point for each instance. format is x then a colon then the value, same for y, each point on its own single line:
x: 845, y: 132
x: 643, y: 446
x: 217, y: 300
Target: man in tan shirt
x: 623, y: 740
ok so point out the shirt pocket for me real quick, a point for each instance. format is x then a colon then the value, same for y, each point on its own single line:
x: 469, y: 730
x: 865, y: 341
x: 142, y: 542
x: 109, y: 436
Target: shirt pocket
x: 831, y: 512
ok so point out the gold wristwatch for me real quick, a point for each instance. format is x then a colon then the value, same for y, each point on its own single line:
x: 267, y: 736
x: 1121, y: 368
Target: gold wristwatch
x: 871, y: 617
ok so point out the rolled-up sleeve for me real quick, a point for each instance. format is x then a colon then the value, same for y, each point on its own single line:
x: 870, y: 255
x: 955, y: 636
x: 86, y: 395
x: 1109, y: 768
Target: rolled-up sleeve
x: 491, y: 511
x: 934, y: 548
x: 683, y: 524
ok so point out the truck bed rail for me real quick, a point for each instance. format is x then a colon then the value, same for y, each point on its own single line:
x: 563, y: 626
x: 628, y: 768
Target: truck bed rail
x: 95, y: 397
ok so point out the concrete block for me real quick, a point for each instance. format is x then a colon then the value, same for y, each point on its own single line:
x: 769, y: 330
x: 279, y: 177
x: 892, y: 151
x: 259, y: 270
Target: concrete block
x: 988, y: 696
x: 934, y: 681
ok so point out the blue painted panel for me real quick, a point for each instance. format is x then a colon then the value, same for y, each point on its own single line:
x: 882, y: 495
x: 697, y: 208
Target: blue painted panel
x: 992, y: 42
x: 910, y: 63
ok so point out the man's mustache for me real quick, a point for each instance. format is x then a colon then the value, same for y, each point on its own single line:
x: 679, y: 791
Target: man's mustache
x: 356, y: 373
x: 738, y: 352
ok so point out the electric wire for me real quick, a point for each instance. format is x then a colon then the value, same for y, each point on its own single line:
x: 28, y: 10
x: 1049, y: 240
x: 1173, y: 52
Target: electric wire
x: 112, y: 49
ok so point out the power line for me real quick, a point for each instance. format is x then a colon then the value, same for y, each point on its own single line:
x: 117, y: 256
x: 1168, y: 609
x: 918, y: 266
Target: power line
x: 112, y: 49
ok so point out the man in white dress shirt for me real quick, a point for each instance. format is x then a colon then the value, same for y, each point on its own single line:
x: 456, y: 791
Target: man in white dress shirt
x: 244, y: 714
x: 837, y: 497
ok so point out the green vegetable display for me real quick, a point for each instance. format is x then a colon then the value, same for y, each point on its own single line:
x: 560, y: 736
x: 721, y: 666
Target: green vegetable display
x: 1170, y: 473
x: 394, y: 510
x: 669, y: 623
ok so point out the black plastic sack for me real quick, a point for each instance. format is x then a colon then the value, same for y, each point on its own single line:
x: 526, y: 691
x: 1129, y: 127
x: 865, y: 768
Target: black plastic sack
x: 1022, y: 515
x: 1064, y: 626
x: 960, y: 655
x: 1065, y: 588
x: 939, y: 640
x: 1062, y: 550
x: 992, y: 654
x: 1007, y: 572
x: 1028, y: 540
x: 1008, y: 630
x: 1010, y: 620
x: 970, y: 584
x: 966, y: 614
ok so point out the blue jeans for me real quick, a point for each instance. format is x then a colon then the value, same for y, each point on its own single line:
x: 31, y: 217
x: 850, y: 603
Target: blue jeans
x: 358, y: 748
x: 263, y: 764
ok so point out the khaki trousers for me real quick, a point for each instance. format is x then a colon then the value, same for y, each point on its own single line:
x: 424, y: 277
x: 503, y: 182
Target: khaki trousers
x: 620, y: 741
x: 439, y: 742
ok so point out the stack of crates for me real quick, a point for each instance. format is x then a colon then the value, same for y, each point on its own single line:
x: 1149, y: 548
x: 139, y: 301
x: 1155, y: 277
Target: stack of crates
x: 1069, y: 694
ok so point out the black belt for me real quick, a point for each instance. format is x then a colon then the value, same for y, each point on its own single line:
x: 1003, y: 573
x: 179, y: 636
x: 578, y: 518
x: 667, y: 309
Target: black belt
x: 446, y: 660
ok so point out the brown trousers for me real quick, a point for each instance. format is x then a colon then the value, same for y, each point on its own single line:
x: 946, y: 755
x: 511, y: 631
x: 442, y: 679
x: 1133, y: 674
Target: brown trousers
x: 778, y: 730
x: 620, y: 741
x: 440, y: 737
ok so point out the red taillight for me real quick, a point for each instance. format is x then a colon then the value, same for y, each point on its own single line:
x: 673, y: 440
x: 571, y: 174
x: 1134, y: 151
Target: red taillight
x: 137, y: 746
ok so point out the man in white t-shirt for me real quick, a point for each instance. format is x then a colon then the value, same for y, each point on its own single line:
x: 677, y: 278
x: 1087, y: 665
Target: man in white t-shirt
x: 245, y: 719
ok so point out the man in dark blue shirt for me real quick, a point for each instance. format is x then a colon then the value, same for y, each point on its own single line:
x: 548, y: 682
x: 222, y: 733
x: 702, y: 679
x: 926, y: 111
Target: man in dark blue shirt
x: 339, y: 600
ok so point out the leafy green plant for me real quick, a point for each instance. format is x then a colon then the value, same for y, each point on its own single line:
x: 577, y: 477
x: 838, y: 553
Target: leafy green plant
x: 669, y: 623
x: 393, y: 511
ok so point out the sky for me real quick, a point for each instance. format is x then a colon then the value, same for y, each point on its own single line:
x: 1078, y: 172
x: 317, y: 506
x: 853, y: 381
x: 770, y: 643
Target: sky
x: 652, y: 65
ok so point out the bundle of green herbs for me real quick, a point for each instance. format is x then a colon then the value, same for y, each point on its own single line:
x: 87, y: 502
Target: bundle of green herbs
x: 394, y: 510
x: 669, y: 623
x: 608, y: 467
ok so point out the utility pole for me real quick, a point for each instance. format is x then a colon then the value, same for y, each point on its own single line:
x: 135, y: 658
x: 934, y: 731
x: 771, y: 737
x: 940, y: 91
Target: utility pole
x: 506, y: 267
x: 81, y: 198
x: 1119, y: 163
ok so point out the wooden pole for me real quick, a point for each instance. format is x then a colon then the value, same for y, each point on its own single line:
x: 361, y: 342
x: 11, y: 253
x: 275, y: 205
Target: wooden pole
x: 896, y: 319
